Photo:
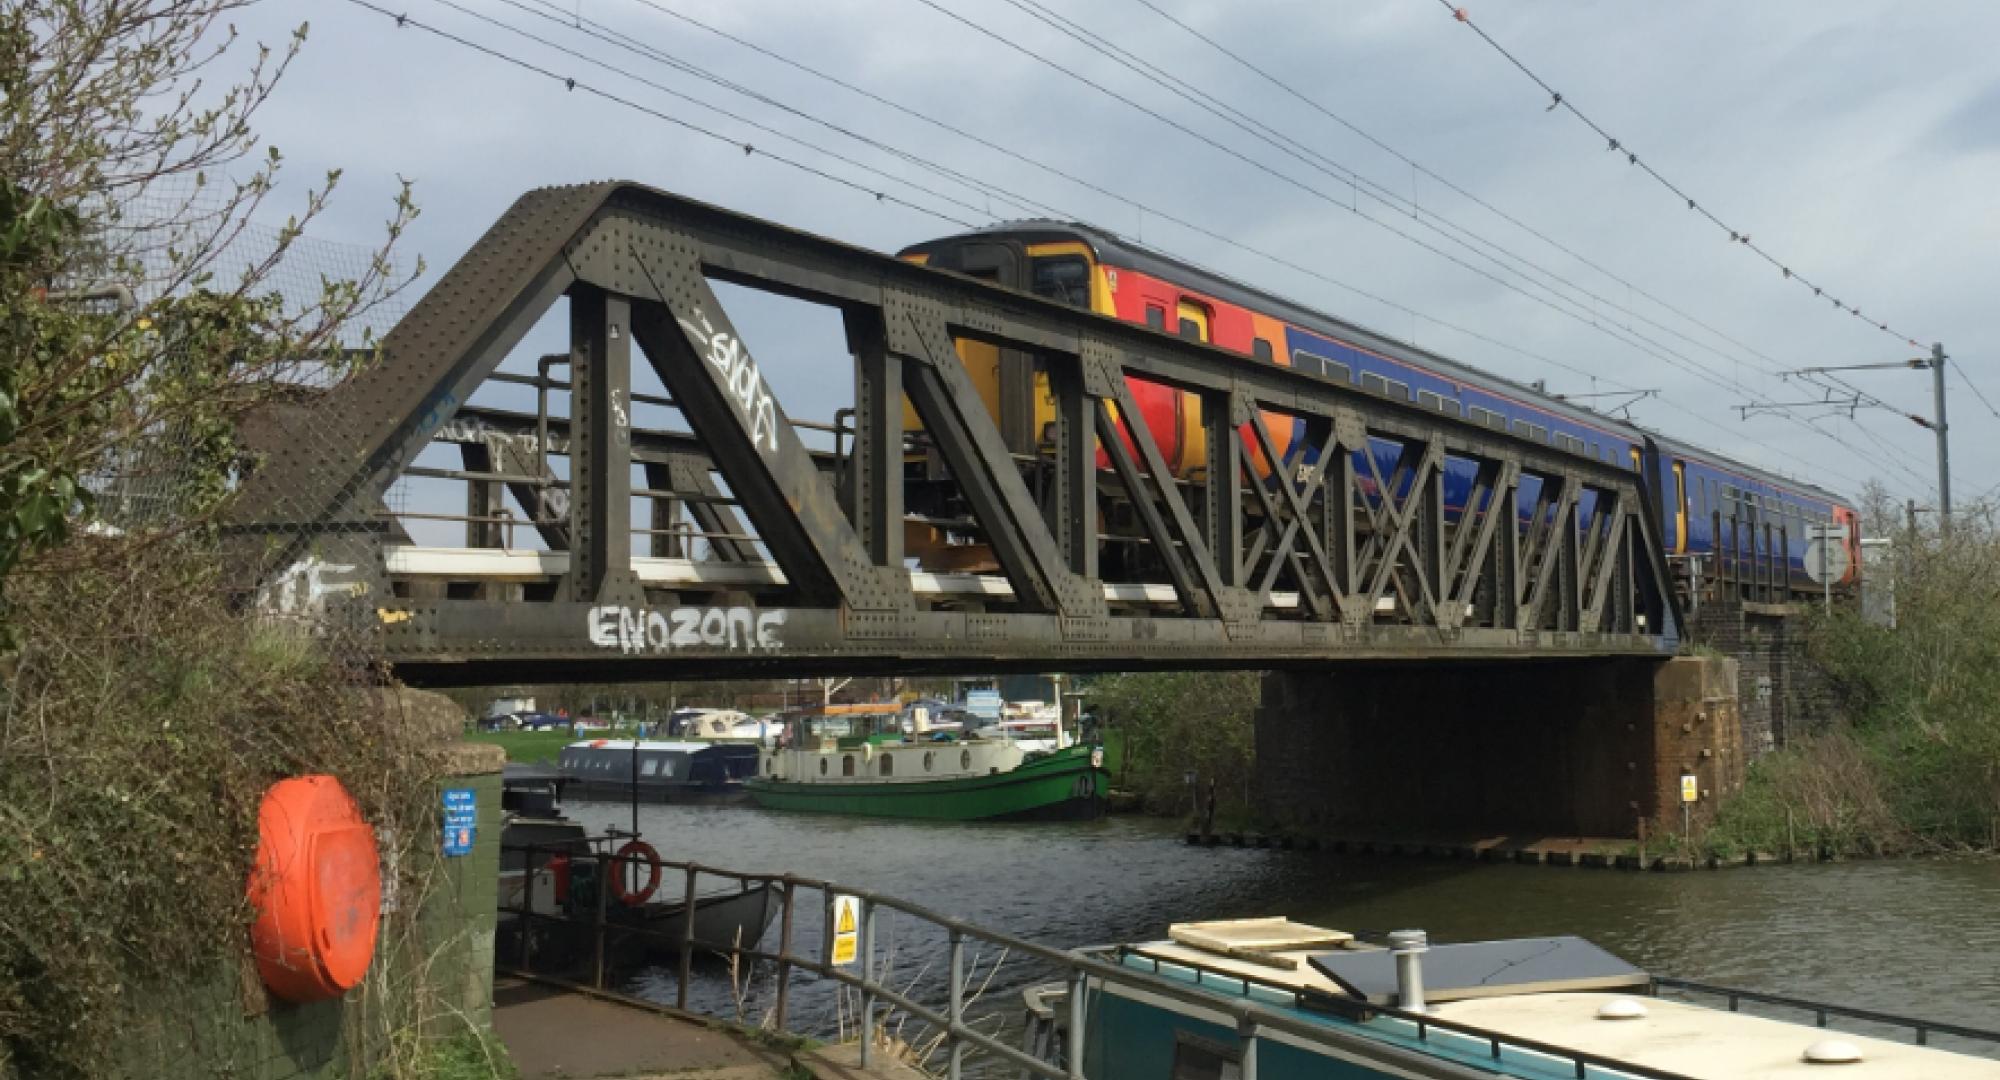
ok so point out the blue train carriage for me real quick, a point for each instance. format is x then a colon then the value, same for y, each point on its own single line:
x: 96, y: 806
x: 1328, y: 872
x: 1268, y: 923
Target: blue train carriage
x: 1722, y: 523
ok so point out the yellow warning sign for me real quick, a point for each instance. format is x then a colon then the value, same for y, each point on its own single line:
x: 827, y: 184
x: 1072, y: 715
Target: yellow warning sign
x: 846, y: 943
x: 1690, y: 788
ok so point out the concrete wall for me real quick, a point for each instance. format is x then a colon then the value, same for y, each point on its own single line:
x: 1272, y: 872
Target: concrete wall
x: 227, y: 1026
x: 1573, y: 748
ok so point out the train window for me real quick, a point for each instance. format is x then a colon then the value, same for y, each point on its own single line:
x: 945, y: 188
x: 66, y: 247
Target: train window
x: 1400, y: 391
x: 1065, y: 278
x: 1453, y: 408
x: 1156, y: 316
x: 1190, y: 329
x: 1339, y: 371
x: 1194, y: 321
x: 1307, y: 362
x: 1373, y: 383
x: 1495, y: 421
x: 1594, y: 455
x: 1538, y: 433
x: 1430, y: 401
x: 1479, y: 415
x: 1522, y: 427
x: 1260, y: 349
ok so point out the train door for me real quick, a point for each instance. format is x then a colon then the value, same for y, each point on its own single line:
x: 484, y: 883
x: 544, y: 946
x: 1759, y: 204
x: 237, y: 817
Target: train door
x: 1680, y: 536
x: 1191, y: 449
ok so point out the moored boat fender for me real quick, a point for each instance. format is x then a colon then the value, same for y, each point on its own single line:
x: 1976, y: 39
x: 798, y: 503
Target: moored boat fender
x: 638, y: 851
x: 316, y: 888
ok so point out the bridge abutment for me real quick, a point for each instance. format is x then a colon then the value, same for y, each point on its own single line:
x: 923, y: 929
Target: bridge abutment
x: 1524, y: 750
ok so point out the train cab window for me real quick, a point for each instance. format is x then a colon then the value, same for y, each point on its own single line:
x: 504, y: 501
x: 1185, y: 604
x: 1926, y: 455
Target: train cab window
x: 1260, y: 349
x: 1374, y: 384
x: 1065, y: 278
x: 1156, y: 316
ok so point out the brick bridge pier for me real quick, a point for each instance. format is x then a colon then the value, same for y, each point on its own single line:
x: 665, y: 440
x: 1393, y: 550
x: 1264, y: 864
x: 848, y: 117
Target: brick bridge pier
x: 1575, y: 748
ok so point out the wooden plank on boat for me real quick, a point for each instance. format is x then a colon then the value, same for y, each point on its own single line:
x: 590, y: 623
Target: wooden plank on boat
x: 1256, y: 939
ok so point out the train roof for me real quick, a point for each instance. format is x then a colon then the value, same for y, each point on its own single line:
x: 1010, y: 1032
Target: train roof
x: 1110, y: 247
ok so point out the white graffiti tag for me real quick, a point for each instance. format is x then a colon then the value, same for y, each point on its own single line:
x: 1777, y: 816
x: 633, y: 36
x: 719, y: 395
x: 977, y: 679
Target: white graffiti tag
x: 651, y: 630
x: 740, y: 377
x: 304, y: 587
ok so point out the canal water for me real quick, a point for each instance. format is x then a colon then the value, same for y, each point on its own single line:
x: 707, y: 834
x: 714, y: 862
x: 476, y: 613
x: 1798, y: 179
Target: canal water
x: 1911, y: 937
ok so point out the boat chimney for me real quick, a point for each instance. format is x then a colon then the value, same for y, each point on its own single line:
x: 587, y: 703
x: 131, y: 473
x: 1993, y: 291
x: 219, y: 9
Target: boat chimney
x: 1408, y: 947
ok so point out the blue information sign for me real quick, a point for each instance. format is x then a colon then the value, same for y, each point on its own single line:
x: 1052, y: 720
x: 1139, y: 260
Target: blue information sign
x: 461, y: 819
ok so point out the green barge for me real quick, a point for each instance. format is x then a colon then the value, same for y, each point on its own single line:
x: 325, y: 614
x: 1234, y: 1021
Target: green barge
x: 847, y: 759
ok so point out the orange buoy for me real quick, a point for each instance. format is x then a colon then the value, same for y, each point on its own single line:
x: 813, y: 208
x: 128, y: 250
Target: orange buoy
x: 317, y: 890
x: 634, y: 851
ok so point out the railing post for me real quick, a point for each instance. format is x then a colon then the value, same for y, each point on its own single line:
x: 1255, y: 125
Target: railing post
x: 687, y: 939
x: 784, y: 954
x: 955, y: 1012
x: 1073, y: 1045
x: 867, y: 982
x: 1246, y: 1029
x: 603, y: 894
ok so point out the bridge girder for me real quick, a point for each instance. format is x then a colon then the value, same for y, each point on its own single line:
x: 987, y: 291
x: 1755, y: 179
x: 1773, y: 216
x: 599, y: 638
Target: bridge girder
x: 1338, y: 562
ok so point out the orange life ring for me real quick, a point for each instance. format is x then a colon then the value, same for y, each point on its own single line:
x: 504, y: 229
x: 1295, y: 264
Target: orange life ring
x: 558, y: 868
x: 316, y: 888
x: 633, y: 851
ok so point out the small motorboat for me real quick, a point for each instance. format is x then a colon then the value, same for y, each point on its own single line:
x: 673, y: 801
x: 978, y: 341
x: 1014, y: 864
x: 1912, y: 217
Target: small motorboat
x: 557, y: 881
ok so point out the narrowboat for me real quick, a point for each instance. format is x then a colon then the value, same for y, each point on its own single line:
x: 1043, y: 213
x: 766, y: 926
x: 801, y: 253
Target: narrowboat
x: 1281, y: 1000
x: 882, y: 761
x: 663, y: 772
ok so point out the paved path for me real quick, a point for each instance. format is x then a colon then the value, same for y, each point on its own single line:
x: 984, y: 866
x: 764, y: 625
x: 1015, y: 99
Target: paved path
x: 553, y: 1033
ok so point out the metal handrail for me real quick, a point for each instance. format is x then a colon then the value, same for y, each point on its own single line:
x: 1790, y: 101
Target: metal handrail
x: 1252, y: 1020
x: 1922, y: 1029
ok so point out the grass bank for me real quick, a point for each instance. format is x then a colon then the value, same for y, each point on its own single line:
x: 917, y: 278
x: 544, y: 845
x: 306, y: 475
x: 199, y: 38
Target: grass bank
x: 1910, y: 763
x: 530, y: 746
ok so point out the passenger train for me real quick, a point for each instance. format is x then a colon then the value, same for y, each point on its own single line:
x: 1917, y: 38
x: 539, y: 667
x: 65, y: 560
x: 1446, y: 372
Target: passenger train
x: 1732, y: 520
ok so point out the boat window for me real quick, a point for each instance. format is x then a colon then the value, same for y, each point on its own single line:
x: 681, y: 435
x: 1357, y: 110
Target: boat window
x: 650, y: 767
x: 822, y: 766
x: 1061, y: 277
x: 1196, y: 1058
x: 930, y: 758
x: 888, y: 765
x: 847, y: 765
x: 965, y: 759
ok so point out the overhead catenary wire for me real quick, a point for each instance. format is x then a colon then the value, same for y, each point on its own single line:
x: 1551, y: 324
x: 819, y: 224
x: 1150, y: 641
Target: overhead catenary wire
x: 661, y: 56
x: 572, y: 84
x: 881, y: 195
x: 1620, y: 146
x: 1635, y: 340
x: 1770, y: 364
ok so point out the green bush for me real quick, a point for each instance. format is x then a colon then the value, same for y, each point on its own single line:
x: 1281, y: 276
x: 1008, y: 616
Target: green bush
x: 1170, y: 723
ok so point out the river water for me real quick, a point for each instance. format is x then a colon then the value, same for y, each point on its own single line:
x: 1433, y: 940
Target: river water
x: 1911, y: 937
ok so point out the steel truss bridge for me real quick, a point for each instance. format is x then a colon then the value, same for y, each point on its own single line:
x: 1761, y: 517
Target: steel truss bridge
x: 743, y: 550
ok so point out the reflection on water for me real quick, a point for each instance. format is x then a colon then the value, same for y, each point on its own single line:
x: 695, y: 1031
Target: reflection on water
x: 1907, y: 937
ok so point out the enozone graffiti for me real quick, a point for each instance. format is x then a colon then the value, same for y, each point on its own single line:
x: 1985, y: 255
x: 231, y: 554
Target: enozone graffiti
x: 740, y: 377
x: 649, y: 630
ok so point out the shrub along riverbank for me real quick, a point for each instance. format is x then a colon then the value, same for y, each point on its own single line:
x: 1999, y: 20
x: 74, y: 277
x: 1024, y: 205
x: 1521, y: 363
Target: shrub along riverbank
x: 1910, y: 762
x: 1168, y: 725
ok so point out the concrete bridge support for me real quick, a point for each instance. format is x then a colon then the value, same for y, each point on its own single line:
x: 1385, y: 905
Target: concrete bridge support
x: 1592, y: 748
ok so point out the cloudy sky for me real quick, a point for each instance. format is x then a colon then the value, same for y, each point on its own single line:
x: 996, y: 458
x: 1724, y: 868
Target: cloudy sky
x: 1857, y: 141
